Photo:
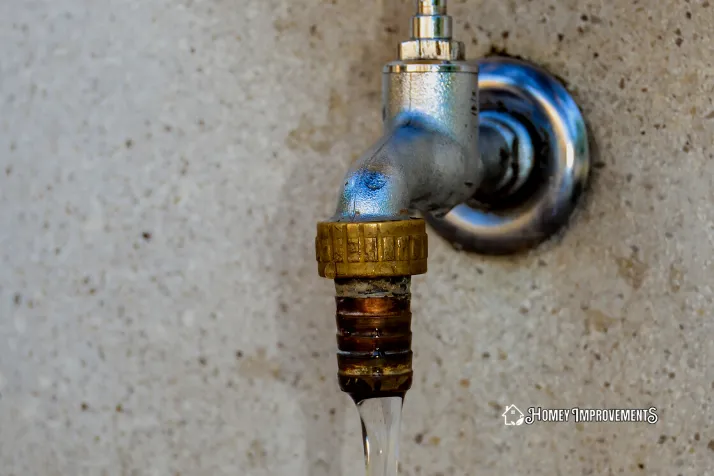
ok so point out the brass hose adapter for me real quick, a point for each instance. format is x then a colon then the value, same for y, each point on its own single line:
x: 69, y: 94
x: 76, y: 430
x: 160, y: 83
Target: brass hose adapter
x: 372, y: 264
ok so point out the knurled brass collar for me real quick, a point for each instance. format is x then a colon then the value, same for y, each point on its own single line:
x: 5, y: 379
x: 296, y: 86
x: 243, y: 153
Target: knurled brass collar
x: 371, y: 250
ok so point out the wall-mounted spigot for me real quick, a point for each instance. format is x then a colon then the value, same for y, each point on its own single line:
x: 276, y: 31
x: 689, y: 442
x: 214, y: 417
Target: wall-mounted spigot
x: 494, y: 154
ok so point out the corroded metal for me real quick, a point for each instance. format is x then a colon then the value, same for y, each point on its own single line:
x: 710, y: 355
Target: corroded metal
x: 374, y: 336
x: 372, y: 249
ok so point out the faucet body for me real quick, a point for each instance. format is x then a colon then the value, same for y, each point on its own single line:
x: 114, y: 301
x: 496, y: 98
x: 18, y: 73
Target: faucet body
x: 427, y: 159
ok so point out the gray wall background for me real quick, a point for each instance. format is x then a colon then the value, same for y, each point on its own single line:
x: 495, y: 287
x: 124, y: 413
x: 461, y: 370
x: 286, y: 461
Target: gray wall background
x: 162, y: 167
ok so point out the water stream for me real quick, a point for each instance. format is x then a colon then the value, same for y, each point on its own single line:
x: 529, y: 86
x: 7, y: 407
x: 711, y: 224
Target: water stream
x: 381, y: 423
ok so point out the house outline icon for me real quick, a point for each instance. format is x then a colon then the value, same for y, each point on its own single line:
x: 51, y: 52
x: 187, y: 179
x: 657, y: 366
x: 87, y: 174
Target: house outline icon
x: 513, y: 416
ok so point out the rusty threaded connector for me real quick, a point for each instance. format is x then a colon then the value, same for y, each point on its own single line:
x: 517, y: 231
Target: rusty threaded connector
x: 372, y: 264
x: 374, y: 336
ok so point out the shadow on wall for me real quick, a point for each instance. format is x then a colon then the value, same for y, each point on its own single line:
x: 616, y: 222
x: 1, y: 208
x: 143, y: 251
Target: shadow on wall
x: 306, y: 324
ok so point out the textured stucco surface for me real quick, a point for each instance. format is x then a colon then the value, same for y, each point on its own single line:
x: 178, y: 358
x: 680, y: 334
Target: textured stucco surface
x: 162, y: 166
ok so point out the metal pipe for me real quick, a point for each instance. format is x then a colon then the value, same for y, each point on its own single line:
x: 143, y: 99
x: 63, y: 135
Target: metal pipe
x: 431, y: 7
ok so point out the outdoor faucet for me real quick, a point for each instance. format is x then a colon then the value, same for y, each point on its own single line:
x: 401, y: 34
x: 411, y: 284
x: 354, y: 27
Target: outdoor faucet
x: 493, y: 154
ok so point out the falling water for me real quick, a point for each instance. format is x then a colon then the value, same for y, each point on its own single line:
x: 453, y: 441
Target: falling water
x: 381, y: 422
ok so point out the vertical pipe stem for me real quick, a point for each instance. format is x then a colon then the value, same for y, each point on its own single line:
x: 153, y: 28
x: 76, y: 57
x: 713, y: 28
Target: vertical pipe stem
x: 431, y: 21
x: 431, y: 7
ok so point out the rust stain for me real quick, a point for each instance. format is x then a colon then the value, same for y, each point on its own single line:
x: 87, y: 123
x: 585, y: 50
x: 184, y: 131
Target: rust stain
x: 260, y: 366
x: 307, y: 133
x: 549, y: 391
x: 632, y: 270
x: 336, y: 105
x: 282, y: 25
x: 374, y: 336
x: 320, y: 138
x: 598, y: 321
x: 676, y: 277
x: 257, y: 454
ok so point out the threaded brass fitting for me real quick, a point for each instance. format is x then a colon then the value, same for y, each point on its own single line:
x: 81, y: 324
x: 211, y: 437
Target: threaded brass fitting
x: 371, y: 250
x: 372, y: 264
x: 374, y: 336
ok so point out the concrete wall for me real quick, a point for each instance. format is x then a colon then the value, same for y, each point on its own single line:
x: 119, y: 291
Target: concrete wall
x: 162, y: 167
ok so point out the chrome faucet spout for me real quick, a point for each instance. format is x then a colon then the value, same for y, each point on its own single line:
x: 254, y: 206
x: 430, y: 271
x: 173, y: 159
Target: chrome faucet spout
x: 412, y: 167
